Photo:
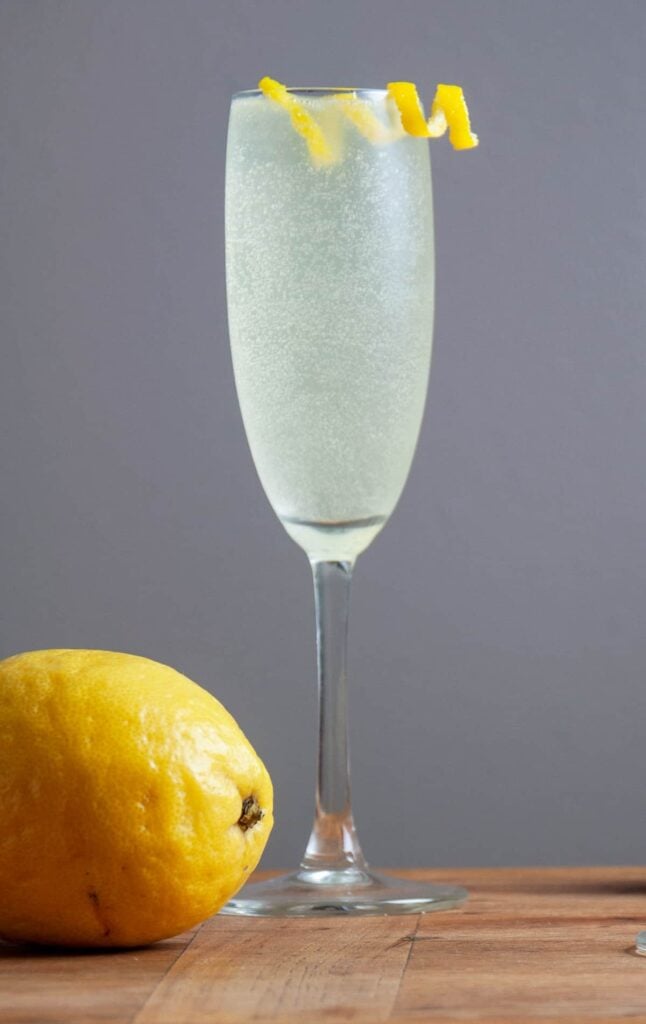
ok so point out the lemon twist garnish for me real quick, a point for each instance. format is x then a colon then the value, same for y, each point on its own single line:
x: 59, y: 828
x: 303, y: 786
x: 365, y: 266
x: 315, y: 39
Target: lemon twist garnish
x: 409, y: 107
x: 449, y: 110
x: 449, y: 101
x: 363, y: 118
x: 302, y: 121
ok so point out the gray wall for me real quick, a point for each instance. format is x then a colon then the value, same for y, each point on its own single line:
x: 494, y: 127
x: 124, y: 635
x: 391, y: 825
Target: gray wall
x: 498, y: 647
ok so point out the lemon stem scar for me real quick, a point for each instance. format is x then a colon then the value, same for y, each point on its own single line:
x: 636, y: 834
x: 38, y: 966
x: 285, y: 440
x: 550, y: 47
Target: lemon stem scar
x: 251, y: 813
x: 302, y: 120
x: 448, y: 110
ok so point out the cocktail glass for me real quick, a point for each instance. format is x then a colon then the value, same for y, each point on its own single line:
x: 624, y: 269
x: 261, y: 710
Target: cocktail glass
x: 330, y: 278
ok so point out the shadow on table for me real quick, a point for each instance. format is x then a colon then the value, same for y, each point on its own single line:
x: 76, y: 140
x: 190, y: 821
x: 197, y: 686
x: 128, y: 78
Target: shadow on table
x: 34, y: 951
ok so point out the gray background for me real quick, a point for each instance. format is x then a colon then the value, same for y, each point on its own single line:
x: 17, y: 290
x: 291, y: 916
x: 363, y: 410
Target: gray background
x: 498, y: 646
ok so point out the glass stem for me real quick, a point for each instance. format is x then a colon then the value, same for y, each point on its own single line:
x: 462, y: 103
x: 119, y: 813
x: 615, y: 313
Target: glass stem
x: 333, y: 844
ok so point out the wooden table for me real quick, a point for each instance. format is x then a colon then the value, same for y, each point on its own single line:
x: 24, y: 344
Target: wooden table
x: 539, y: 944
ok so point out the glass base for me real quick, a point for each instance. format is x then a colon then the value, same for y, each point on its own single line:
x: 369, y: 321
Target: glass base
x: 640, y: 944
x: 309, y: 893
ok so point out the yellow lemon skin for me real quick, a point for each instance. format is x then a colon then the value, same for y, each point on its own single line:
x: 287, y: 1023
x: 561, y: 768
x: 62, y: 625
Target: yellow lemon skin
x: 410, y: 108
x: 302, y: 120
x: 449, y: 110
x: 449, y: 99
x: 132, y: 806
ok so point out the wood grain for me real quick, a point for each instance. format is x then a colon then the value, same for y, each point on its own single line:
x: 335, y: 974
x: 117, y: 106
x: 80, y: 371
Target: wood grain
x: 265, y: 969
x: 50, y: 987
x: 541, y: 945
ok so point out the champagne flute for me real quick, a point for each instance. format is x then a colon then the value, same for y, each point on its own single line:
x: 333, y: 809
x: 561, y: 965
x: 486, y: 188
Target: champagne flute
x: 330, y: 278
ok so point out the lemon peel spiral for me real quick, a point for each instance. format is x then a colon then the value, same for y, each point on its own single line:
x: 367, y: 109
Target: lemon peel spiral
x: 303, y: 122
x: 448, y: 111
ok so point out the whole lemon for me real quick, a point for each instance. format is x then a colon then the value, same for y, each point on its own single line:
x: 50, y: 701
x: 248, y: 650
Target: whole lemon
x: 131, y: 804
